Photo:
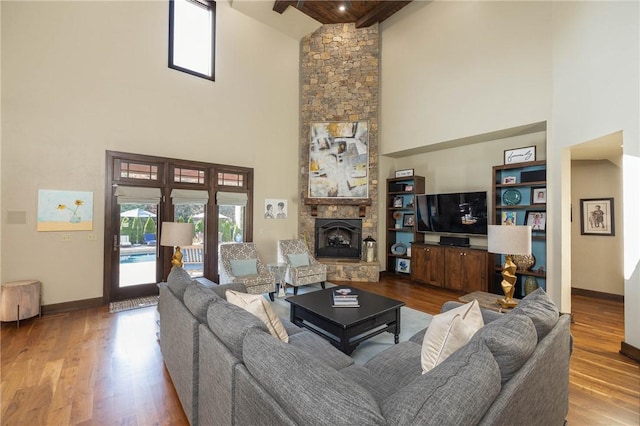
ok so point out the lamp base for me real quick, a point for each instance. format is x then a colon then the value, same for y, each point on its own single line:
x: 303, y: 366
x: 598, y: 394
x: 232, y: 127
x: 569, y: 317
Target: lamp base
x: 507, y: 303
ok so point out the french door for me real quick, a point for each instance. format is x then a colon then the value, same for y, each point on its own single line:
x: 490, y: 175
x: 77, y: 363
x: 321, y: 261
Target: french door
x: 142, y: 192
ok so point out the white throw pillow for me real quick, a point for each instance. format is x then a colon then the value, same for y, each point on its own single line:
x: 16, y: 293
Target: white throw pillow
x: 258, y: 306
x: 448, y: 332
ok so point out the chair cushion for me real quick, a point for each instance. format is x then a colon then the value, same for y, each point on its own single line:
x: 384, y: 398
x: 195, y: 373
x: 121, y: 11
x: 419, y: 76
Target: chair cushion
x: 540, y: 309
x: 271, y: 362
x: 242, y: 267
x: 177, y: 281
x: 258, y: 306
x: 296, y: 260
x: 448, y: 332
x: 197, y: 299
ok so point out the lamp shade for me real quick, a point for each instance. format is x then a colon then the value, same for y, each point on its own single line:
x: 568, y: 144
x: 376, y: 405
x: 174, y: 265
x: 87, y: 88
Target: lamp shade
x: 176, y: 234
x: 505, y: 239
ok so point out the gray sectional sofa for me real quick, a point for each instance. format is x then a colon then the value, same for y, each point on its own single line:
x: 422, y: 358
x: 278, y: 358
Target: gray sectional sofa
x: 228, y: 370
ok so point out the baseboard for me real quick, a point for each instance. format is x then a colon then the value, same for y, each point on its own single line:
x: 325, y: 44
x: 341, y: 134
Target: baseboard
x: 597, y: 294
x: 630, y: 351
x: 58, y: 308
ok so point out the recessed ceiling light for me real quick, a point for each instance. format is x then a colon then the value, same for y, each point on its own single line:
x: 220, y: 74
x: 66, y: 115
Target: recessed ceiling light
x: 342, y: 8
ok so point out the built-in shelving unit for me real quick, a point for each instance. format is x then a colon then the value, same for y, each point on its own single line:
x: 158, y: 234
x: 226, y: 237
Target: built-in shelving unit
x: 519, y: 193
x: 401, y: 215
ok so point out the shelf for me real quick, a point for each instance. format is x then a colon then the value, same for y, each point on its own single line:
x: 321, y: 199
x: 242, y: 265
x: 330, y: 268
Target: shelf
x: 498, y: 268
x: 514, y: 185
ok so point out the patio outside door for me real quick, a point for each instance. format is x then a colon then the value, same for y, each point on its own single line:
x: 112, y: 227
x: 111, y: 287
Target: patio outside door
x: 138, y: 245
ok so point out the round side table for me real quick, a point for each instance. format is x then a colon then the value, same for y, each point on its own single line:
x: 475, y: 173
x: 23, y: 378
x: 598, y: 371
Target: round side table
x: 20, y: 300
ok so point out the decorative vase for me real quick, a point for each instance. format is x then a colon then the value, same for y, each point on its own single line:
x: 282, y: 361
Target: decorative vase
x: 530, y: 285
x: 524, y: 262
x: 75, y: 219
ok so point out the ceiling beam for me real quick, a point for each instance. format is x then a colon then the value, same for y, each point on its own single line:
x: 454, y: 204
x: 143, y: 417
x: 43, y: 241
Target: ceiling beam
x: 380, y: 13
x: 281, y: 5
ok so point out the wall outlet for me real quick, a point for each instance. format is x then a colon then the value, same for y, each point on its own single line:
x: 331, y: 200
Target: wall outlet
x: 92, y: 237
x: 66, y: 237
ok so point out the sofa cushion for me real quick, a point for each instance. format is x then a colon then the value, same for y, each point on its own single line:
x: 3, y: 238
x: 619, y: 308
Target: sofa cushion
x: 309, y: 391
x: 541, y: 309
x: 230, y: 323
x: 511, y: 339
x: 320, y: 349
x: 397, y: 366
x: 448, y: 332
x: 456, y: 392
x: 177, y: 281
x: 296, y: 260
x: 221, y: 290
x: 258, y: 306
x: 197, y: 299
x: 243, y: 267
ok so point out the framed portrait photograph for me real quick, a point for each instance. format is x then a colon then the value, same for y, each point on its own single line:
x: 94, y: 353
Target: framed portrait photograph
x: 397, y: 201
x: 408, y: 221
x: 509, y: 179
x: 520, y: 155
x: 596, y: 216
x: 537, y: 221
x: 539, y: 195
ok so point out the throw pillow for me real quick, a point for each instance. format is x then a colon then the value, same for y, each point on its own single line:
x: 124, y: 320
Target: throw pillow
x: 242, y: 267
x: 448, y: 332
x: 178, y: 281
x: 297, y: 260
x: 258, y: 306
x: 540, y: 309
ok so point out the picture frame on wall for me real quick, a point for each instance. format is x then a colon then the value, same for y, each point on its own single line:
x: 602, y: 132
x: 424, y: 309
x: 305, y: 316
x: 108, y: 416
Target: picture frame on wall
x: 537, y: 220
x: 520, y: 155
x: 597, y: 217
x: 539, y: 195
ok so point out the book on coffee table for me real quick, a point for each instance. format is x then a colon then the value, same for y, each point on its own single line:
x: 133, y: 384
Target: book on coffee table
x: 345, y: 298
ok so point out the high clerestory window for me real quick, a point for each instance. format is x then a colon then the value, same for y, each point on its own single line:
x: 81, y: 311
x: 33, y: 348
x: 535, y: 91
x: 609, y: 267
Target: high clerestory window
x: 192, y: 37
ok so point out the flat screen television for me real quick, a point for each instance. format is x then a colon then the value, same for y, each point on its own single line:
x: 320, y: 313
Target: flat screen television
x: 455, y: 213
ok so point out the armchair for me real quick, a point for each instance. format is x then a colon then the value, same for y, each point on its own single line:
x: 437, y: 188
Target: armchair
x: 302, y: 267
x: 240, y: 263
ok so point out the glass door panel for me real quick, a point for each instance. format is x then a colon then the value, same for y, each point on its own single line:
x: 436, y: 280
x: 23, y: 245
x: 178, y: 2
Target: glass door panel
x: 193, y: 256
x: 138, y: 244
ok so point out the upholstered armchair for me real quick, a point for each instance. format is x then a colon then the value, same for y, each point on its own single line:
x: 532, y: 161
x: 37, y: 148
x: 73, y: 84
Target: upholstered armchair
x: 240, y: 263
x: 302, y: 267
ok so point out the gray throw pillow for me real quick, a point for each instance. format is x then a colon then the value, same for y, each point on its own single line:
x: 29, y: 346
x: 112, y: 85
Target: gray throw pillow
x: 311, y: 392
x: 197, y: 299
x: 178, y: 281
x: 511, y: 339
x: 457, y: 391
x: 540, y: 309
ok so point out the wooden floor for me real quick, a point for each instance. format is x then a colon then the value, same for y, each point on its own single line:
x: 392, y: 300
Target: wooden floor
x: 90, y: 367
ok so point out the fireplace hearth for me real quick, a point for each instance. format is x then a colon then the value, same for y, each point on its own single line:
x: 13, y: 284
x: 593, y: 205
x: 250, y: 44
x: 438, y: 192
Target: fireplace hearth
x: 338, y: 238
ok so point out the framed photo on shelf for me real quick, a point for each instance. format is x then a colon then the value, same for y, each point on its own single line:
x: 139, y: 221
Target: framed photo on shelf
x: 596, y: 217
x: 403, y: 265
x: 509, y: 218
x: 408, y: 188
x: 397, y: 201
x: 539, y: 195
x: 520, y: 155
x: 408, y: 221
x: 404, y: 173
x: 537, y: 221
x: 509, y: 179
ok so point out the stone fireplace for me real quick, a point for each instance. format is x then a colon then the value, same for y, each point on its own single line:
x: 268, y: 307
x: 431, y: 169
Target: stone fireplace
x: 338, y: 238
x: 339, y: 82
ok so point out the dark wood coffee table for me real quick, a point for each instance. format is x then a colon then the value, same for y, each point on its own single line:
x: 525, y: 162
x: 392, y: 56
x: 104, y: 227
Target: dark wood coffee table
x: 346, y: 328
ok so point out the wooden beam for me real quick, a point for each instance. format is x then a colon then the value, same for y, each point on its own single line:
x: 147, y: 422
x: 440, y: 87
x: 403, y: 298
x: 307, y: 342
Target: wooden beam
x: 281, y: 5
x: 380, y: 13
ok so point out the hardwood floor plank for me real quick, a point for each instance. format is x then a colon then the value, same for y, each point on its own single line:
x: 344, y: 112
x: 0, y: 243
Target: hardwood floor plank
x: 89, y: 367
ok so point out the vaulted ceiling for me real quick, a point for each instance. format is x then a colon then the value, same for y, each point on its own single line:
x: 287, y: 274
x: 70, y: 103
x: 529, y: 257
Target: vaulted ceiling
x: 362, y: 13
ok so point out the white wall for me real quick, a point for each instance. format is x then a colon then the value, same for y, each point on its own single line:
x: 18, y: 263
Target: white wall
x: 79, y: 78
x: 596, y: 82
x: 597, y: 261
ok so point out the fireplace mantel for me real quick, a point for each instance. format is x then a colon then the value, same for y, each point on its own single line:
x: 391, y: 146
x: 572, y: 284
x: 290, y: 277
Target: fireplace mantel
x: 360, y: 202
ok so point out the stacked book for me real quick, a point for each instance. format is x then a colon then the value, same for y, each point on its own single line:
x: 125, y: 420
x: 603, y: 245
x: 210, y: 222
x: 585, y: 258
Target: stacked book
x: 345, y: 298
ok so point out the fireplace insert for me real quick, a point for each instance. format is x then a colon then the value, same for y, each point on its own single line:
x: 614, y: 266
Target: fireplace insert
x: 338, y: 238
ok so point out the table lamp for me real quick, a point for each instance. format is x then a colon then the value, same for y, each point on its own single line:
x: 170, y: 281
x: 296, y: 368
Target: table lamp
x: 174, y: 234
x: 508, y: 240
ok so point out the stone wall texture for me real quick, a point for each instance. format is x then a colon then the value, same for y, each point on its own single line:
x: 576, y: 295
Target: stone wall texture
x: 339, y: 79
